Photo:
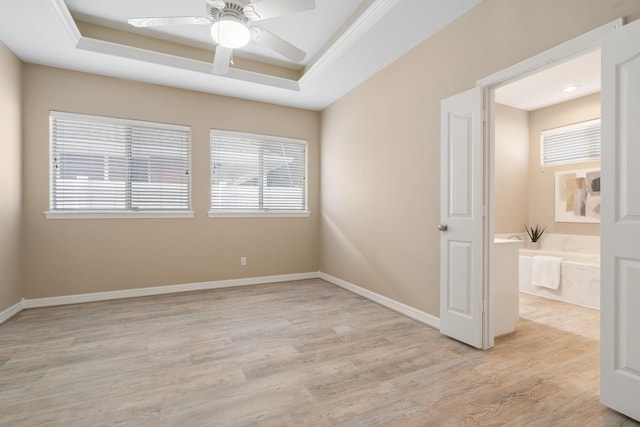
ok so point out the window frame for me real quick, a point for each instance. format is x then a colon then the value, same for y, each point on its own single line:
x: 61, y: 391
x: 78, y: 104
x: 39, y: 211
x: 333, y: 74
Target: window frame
x: 567, y: 129
x: 253, y: 213
x: 115, y: 213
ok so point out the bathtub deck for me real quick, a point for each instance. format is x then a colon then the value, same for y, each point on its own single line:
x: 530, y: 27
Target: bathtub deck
x: 579, y: 284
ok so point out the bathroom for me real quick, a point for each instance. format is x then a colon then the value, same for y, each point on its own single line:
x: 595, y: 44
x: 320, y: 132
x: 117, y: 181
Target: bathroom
x: 529, y: 193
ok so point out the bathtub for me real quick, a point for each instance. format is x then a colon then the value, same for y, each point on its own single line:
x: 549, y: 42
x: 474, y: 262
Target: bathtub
x: 580, y: 277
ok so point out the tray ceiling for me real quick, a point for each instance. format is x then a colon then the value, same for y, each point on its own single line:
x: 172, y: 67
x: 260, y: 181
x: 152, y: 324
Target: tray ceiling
x: 347, y: 41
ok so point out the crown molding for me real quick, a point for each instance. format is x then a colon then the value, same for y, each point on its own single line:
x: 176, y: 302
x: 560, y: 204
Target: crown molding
x: 62, y: 11
x: 336, y: 50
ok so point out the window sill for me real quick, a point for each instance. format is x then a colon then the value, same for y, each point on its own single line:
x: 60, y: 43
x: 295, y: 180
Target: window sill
x: 117, y: 214
x: 259, y: 214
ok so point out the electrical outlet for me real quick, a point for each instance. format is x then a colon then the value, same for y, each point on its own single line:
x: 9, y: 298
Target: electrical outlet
x: 243, y: 260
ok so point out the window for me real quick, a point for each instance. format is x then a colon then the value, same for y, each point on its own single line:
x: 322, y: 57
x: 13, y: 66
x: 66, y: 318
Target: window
x: 255, y: 174
x: 571, y: 144
x: 102, y: 166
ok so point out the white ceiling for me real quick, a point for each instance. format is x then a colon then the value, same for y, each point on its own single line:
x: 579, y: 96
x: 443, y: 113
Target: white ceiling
x: 344, y: 49
x: 545, y: 88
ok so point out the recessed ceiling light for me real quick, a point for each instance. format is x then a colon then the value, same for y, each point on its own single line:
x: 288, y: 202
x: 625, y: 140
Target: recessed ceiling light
x: 570, y: 88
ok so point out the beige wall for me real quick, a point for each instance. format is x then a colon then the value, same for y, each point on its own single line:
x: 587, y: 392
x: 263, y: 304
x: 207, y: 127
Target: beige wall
x: 380, y: 143
x: 380, y: 177
x: 517, y: 146
x: 10, y: 178
x: 511, y: 176
x: 542, y: 180
x: 63, y: 257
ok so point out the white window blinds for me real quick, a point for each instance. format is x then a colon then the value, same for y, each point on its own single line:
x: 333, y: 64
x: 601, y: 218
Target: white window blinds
x: 106, y: 164
x: 257, y: 174
x: 571, y: 144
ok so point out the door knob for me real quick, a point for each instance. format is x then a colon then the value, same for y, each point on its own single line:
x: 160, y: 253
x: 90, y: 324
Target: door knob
x: 443, y: 227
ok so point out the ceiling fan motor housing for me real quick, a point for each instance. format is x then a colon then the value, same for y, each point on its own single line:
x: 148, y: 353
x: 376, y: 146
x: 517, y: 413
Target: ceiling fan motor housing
x: 219, y: 9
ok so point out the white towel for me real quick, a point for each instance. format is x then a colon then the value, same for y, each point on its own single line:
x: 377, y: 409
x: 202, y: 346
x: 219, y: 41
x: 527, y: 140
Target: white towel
x: 546, y: 271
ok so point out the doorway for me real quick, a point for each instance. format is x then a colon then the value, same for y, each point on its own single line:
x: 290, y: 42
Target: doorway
x: 619, y: 350
x: 564, y: 103
x: 575, y: 48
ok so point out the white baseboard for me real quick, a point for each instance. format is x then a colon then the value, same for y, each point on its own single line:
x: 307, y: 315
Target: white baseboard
x: 399, y: 307
x: 394, y: 305
x: 159, y: 290
x: 11, y: 311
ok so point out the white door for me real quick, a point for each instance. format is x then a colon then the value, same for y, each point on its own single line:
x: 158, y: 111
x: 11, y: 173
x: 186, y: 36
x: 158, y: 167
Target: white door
x: 620, y: 294
x: 461, y: 217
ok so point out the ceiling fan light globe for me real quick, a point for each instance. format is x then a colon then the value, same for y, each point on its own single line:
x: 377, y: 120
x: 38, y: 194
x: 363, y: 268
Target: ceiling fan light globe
x: 230, y: 33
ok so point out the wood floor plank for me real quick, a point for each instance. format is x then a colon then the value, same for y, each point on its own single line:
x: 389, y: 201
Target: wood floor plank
x: 291, y: 354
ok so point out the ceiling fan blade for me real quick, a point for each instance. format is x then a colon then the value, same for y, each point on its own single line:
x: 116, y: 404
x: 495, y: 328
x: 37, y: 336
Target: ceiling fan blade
x: 221, y: 60
x: 171, y: 20
x: 265, y: 9
x: 277, y: 44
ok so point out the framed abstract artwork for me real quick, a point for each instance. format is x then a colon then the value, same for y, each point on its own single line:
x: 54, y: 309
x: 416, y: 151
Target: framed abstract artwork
x: 577, y: 196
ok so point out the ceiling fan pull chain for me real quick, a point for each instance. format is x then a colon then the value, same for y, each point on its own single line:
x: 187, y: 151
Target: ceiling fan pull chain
x: 231, y: 60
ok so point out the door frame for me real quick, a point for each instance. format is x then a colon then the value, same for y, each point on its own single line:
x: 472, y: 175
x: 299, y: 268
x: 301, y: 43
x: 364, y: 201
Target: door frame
x: 573, y: 48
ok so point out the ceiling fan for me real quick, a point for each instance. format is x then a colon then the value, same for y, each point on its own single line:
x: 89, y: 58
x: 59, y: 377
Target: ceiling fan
x: 232, y: 26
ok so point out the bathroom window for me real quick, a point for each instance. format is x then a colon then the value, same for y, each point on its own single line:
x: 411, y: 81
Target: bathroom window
x: 108, y: 167
x: 579, y: 142
x: 256, y: 175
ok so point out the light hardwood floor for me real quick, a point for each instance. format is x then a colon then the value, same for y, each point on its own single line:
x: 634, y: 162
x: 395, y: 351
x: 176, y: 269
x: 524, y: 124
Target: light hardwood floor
x: 299, y: 353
